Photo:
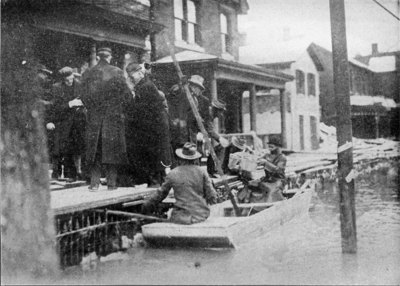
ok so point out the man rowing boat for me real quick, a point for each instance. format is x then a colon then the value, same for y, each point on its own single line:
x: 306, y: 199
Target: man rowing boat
x: 192, y: 186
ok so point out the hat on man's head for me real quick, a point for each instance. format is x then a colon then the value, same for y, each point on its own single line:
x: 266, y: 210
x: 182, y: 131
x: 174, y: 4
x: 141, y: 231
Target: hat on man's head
x: 239, y: 142
x: 66, y: 71
x: 104, y: 50
x: 275, y: 141
x: 133, y: 67
x: 197, y: 80
x: 218, y: 104
x: 188, y: 152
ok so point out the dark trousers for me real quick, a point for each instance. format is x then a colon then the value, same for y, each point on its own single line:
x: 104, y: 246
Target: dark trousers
x: 95, y: 170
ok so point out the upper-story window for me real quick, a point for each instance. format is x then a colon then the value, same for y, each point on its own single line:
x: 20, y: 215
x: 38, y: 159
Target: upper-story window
x: 300, y: 84
x: 311, y: 83
x: 225, y: 37
x: 186, y: 21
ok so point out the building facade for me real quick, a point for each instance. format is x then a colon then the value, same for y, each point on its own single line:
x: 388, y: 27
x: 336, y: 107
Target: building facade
x: 298, y: 118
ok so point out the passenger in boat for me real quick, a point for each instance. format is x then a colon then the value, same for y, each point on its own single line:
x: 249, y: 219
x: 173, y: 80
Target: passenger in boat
x: 269, y: 188
x: 274, y: 167
x: 193, y: 190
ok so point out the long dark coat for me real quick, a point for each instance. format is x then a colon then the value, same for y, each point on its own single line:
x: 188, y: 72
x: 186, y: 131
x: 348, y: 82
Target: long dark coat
x: 106, y: 94
x: 70, y: 122
x: 150, y: 126
x: 184, y: 126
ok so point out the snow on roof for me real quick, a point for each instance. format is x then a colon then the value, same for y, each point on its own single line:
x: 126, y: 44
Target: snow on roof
x: 383, y: 64
x: 358, y: 63
x: 187, y: 56
x: 364, y: 100
x: 275, y: 52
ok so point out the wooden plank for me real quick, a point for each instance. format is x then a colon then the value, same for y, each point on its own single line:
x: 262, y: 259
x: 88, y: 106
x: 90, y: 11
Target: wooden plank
x: 80, y: 198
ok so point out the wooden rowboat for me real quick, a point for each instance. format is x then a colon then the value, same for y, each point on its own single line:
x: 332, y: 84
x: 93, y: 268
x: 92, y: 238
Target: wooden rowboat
x: 223, y: 230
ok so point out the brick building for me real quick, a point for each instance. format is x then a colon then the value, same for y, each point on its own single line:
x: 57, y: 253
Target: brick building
x: 206, y: 40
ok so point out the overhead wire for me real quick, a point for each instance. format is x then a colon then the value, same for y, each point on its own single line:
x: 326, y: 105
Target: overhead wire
x: 387, y: 10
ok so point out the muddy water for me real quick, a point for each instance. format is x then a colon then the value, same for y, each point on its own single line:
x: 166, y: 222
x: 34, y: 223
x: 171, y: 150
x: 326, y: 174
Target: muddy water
x: 304, y: 252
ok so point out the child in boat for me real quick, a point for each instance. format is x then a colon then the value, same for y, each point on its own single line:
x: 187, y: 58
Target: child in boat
x: 192, y: 186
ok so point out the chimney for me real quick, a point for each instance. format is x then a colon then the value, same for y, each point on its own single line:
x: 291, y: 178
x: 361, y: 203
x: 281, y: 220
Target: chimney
x: 375, y: 49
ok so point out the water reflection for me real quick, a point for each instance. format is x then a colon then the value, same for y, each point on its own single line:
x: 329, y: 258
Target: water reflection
x: 303, y: 252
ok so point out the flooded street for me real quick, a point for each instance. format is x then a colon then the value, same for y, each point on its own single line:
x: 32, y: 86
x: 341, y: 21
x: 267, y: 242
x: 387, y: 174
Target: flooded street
x: 303, y: 252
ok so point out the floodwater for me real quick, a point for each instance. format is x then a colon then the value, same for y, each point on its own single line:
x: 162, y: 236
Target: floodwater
x: 306, y: 252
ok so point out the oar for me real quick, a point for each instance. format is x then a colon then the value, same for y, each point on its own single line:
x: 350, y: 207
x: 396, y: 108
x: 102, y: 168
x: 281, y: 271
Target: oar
x: 135, y: 215
x: 201, y: 126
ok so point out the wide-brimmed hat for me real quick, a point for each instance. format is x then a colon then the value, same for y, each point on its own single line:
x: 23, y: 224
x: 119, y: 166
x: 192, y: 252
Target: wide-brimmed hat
x: 275, y: 141
x: 197, y: 80
x: 238, y: 142
x: 218, y: 104
x: 66, y: 72
x: 133, y: 67
x: 188, y: 152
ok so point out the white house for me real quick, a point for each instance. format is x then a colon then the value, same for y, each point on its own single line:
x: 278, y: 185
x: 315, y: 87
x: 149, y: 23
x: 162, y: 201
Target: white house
x: 302, y: 94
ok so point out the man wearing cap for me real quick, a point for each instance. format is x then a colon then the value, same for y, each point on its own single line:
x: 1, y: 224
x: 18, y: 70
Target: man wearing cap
x: 192, y: 186
x: 270, y: 186
x: 150, y: 127
x: 68, y: 120
x: 105, y: 95
x: 219, y: 143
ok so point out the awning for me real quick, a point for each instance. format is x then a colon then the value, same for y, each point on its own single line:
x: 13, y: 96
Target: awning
x: 230, y: 70
x: 96, y: 23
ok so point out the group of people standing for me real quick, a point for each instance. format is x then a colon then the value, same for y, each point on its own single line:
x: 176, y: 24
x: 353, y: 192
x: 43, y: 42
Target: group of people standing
x: 95, y: 118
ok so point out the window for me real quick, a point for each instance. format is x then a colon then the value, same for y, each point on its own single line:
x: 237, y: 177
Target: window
x: 351, y: 80
x: 301, y: 127
x: 311, y: 84
x: 186, y: 26
x: 225, y: 37
x: 300, y: 82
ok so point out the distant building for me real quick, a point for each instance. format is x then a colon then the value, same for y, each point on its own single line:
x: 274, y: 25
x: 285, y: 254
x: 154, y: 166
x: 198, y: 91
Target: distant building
x: 302, y: 109
x: 374, y: 92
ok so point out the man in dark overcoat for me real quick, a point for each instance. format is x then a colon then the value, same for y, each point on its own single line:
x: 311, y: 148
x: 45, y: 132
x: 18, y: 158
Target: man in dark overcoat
x: 105, y: 95
x: 184, y: 126
x: 68, y: 120
x: 152, y: 149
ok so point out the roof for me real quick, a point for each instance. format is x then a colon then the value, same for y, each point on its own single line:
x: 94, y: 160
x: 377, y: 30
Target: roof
x: 366, y: 100
x: 383, y: 64
x: 187, y: 56
x: 276, y: 52
x: 196, y: 57
x: 323, y: 60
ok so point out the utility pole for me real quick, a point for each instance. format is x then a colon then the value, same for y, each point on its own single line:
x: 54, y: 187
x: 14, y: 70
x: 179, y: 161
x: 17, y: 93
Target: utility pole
x: 343, y: 125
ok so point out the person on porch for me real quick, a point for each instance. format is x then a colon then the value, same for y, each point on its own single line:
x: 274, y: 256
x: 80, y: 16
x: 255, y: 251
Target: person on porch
x: 184, y: 125
x: 193, y: 190
x: 105, y: 94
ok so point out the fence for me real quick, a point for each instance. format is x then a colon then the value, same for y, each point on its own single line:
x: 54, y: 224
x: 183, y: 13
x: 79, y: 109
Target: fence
x: 92, y: 232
